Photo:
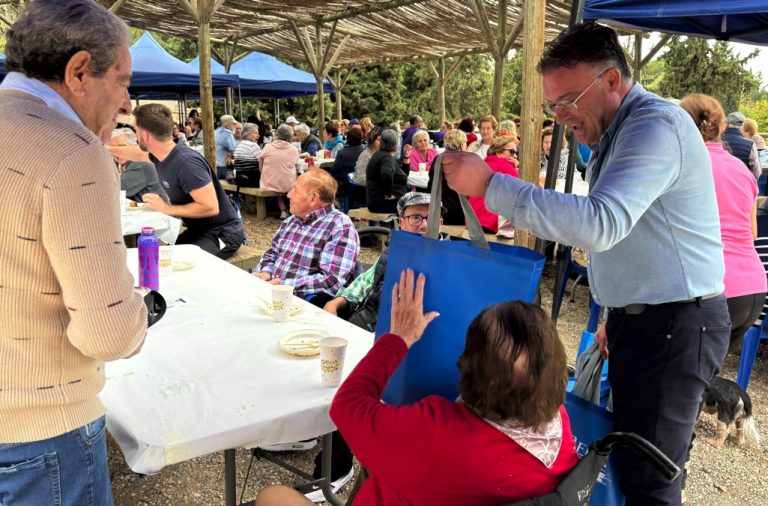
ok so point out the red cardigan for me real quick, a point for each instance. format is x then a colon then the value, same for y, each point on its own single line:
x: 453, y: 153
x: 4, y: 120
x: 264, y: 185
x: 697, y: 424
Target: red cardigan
x: 434, y: 451
x: 488, y: 219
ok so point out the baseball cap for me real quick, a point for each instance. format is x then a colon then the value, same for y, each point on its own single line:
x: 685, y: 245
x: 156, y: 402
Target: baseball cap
x: 291, y: 120
x: 354, y: 121
x: 414, y: 199
x: 736, y: 119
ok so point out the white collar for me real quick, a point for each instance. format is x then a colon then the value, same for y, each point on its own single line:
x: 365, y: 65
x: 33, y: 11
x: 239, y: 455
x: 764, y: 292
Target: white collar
x: 541, y: 442
x: 35, y: 87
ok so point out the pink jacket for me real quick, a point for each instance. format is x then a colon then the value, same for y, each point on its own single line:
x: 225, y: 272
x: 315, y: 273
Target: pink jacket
x: 278, y: 166
x: 488, y: 219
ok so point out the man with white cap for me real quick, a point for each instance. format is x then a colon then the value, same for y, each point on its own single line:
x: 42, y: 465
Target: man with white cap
x: 291, y: 120
x: 741, y: 148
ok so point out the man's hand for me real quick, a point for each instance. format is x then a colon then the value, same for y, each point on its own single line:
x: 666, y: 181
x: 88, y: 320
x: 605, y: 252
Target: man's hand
x: 602, y: 340
x: 155, y: 202
x: 333, y: 305
x: 466, y: 173
x: 263, y: 275
x: 408, y: 318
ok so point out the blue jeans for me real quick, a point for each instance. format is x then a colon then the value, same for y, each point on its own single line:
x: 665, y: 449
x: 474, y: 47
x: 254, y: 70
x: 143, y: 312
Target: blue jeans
x: 70, y: 469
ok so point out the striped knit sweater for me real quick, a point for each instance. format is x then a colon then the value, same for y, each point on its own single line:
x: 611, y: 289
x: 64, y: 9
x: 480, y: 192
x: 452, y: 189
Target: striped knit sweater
x: 67, y: 302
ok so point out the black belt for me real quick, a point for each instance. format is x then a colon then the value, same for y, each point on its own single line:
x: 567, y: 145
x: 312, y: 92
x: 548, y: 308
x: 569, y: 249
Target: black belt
x: 634, y: 309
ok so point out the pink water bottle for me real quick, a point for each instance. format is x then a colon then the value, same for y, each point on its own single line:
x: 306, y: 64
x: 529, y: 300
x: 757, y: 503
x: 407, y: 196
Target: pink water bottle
x: 149, y: 259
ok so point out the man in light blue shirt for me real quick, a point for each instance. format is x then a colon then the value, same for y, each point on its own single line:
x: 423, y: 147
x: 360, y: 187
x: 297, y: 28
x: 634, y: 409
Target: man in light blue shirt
x: 650, y: 223
x: 224, y: 137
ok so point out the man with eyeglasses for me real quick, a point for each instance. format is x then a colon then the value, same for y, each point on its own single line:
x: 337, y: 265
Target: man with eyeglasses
x: 359, y: 302
x: 651, y: 226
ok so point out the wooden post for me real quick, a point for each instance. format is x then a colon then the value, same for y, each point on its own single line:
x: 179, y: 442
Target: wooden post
x: 319, y: 76
x: 205, y: 11
x: 498, y: 86
x: 338, y: 95
x: 530, y: 124
x: 441, y: 90
x: 638, y: 58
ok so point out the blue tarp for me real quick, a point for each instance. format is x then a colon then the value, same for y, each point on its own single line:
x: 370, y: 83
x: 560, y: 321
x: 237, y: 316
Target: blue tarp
x: 734, y: 20
x: 155, y: 70
x: 2, y: 66
x: 264, y: 76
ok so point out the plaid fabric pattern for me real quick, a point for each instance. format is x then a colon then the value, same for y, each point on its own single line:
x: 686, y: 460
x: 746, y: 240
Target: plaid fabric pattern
x: 314, y: 255
x: 360, y: 287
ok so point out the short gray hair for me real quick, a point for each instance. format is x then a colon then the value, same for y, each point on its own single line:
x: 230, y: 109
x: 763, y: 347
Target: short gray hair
x: 285, y: 132
x: 130, y: 135
x: 49, y: 32
x: 227, y: 120
x: 419, y: 133
x: 389, y: 140
x: 302, y: 129
x: 248, y: 128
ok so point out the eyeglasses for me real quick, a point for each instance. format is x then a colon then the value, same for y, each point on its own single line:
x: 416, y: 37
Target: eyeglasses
x: 415, y: 220
x: 565, y: 106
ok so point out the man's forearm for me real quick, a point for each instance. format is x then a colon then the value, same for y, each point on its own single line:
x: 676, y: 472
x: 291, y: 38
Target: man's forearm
x: 191, y: 210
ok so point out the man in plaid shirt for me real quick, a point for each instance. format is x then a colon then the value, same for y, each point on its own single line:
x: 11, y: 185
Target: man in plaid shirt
x: 315, y: 250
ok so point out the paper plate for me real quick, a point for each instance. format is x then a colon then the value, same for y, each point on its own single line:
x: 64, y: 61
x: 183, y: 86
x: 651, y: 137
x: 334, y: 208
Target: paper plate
x: 304, y: 343
x: 139, y: 207
x: 266, y: 307
x: 183, y: 265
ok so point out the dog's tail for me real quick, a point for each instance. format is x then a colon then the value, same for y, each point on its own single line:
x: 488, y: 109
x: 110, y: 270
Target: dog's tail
x: 750, y: 432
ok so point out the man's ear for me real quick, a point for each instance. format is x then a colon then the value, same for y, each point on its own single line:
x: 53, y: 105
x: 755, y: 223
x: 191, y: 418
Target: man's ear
x: 76, y: 72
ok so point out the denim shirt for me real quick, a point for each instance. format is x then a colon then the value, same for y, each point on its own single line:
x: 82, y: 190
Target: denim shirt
x: 225, y: 142
x: 650, y: 221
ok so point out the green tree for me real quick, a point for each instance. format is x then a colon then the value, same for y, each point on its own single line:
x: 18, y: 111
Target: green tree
x: 693, y: 65
x: 758, y: 111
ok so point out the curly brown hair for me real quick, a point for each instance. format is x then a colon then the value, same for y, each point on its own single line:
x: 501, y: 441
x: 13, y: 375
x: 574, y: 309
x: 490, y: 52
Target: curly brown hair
x: 707, y: 114
x: 513, y: 367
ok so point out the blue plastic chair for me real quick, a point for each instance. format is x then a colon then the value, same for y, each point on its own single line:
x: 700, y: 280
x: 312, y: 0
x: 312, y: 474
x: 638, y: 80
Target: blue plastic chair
x: 571, y: 267
x: 749, y: 348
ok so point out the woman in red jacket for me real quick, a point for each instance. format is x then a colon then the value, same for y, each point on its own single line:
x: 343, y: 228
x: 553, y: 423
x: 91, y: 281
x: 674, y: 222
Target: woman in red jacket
x: 506, y: 438
x: 501, y: 158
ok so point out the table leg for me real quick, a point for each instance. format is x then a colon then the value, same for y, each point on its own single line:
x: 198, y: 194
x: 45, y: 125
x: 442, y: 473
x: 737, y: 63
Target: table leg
x: 261, y: 208
x: 230, y: 478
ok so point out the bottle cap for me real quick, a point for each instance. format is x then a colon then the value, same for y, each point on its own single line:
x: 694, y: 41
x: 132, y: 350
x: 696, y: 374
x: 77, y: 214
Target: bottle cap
x: 147, y: 230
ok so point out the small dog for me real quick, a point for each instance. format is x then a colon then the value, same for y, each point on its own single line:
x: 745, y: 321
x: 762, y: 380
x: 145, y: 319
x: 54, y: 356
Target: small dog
x: 732, y: 405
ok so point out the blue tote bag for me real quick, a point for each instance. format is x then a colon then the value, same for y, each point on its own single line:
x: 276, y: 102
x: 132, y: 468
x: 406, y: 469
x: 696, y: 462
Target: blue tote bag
x: 462, y: 279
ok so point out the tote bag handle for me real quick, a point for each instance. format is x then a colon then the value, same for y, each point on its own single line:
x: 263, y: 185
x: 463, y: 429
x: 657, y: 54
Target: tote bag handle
x: 476, y: 235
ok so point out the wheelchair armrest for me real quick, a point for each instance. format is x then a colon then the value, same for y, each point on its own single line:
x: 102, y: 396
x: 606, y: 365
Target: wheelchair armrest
x: 642, y: 447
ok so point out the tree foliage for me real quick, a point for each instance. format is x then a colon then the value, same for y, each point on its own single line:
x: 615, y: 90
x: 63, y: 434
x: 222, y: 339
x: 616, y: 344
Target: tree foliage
x: 692, y: 65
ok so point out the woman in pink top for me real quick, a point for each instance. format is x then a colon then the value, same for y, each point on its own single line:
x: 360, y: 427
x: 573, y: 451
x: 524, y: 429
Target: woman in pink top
x: 499, y: 159
x: 736, y: 190
x: 422, y: 152
x: 278, y: 165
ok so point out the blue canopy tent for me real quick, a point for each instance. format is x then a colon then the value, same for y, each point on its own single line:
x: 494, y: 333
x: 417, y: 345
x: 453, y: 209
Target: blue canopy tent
x: 2, y: 67
x: 264, y: 76
x: 155, y: 71
x: 743, y: 21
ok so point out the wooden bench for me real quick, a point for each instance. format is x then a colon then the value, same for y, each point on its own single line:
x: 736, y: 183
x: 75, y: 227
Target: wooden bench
x: 260, y: 194
x: 246, y: 258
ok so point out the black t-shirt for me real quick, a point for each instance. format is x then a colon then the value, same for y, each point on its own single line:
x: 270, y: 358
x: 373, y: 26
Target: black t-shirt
x: 185, y: 170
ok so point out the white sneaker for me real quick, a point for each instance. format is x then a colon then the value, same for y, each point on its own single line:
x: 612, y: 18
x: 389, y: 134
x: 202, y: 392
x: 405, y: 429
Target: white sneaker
x: 295, y: 446
x: 317, y: 494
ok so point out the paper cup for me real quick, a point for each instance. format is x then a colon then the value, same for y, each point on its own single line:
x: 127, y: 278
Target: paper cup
x: 282, y: 297
x: 166, y: 260
x: 123, y: 198
x: 332, y: 352
x: 422, y: 167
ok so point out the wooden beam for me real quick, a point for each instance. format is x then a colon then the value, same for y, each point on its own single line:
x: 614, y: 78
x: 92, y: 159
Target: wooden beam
x: 305, y: 49
x: 338, y: 94
x: 367, y: 9
x: 531, y: 117
x: 441, y: 88
x: 241, y: 55
x: 501, y: 27
x: 415, y: 58
x: 116, y: 6
x: 6, y: 20
x: 485, y: 26
x: 319, y: 74
x: 336, y: 54
x: 513, y: 35
x: 346, y: 78
x: 655, y: 49
x: 454, y: 67
x: 435, y: 73
x: 192, y: 12
x: 638, y: 57
x: 328, y: 46
x: 206, y: 85
x: 219, y: 56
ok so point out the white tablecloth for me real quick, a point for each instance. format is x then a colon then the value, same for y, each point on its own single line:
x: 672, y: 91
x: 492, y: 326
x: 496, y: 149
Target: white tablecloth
x: 211, y: 376
x: 166, y: 227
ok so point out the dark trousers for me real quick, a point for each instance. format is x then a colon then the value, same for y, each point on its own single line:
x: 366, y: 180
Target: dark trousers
x: 744, y: 310
x: 382, y: 205
x: 660, y: 363
x: 208, y: 240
